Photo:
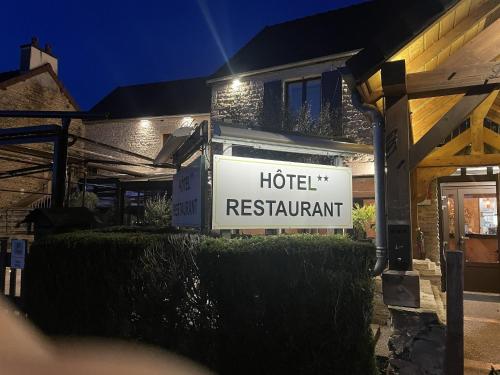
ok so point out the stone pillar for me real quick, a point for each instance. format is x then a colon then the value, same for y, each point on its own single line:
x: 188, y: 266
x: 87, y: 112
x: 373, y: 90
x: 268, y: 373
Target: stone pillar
x: 428, y: 220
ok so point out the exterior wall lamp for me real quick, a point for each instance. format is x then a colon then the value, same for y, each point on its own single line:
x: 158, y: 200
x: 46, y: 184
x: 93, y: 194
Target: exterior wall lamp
x: 236, y: 84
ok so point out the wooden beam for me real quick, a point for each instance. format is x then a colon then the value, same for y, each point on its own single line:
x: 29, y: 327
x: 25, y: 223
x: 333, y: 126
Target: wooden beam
x: 477, y: 139
x: 374, y: 96
x: 456, y: 33
x: 398, y: 191
x: 483, y: 109
x: 460, y: 161
x: 494, y: 114
x: 364, y: 92
x: 427, y: 112
x: 453, y: 146
x: 483, y: 48
x: 491, y: 138
x: 474, y: 19
x: 445, y: 126
x: 425, y: 177
x: 453, y: 81
x: 414, y: 213
x: 477, y: 122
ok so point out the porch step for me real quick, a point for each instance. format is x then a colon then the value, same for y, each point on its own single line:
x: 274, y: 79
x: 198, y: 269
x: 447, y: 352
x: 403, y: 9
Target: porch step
x: 424, y: 265
x: 440, y: 303
x: 428, y: 270
x: 427, y: 298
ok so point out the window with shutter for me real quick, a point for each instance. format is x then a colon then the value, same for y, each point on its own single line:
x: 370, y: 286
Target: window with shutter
x: 272, y: 106
x: 304, y: 95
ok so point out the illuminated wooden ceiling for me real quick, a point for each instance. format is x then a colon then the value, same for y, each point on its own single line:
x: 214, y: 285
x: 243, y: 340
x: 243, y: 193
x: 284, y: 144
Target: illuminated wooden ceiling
x: 432, y: 50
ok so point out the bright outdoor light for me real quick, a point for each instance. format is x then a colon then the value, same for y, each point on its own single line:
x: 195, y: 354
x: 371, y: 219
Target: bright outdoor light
x: 186, y: 122
x: 236, y: 83
x: 145, y: 123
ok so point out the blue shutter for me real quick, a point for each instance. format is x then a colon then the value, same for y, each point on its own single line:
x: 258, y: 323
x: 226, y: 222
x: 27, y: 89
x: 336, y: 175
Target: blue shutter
x: 272, y: 106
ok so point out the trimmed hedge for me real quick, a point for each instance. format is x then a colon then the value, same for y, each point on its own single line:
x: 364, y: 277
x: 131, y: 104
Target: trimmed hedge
x: 263, y: 305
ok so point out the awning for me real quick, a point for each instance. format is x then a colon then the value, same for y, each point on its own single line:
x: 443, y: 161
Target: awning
x: 286, y: 142
x: 182, y: 144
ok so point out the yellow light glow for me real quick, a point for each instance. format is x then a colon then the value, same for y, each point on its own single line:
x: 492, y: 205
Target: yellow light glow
x: 236, y: 84
x: 145, y: 123
x: 186, y: 122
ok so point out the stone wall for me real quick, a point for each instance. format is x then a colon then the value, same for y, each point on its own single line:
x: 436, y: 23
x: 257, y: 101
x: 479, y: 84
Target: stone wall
x: 141, y: 136
x: 242, y: 103
x: 355, y: 125
x: 238, y: 104
x: 428, y: 221
x: 39, y: 92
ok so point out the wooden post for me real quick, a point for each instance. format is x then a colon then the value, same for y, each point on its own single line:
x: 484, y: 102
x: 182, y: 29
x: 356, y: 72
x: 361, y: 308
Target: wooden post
x: 3, y: 263
x: 400, y: 285
x: 454, y: 361
x: 397, y: 130
x: 13, y: 283
x: 414, y: 213
x: 60, y: 163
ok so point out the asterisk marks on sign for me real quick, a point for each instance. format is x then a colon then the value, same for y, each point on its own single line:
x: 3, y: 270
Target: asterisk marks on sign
x: 319, y: 177
x: 325, y: 178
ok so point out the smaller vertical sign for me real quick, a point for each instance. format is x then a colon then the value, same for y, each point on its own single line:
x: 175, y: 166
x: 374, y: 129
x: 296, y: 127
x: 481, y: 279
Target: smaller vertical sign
x: 187, y: 195
x: 18, y: 254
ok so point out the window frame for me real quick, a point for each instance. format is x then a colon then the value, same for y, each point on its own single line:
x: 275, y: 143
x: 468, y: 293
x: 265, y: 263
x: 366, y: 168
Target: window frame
x: 304, y: 89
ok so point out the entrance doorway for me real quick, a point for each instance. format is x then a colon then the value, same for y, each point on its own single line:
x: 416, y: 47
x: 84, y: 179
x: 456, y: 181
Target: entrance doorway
x: 469, y: 221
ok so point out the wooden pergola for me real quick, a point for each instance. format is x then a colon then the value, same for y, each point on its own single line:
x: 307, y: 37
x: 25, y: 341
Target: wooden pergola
x: 446, y: 78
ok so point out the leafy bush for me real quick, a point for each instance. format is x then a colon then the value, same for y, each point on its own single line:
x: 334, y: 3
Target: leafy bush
x: 326, y: 125
x: 362, y: 217
x: 268, y: 305
x: 157, y: 210
x: 78, y: 199
x: 302, y: 304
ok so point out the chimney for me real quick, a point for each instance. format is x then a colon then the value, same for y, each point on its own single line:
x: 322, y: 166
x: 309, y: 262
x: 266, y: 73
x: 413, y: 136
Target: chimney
x: 32, y: 56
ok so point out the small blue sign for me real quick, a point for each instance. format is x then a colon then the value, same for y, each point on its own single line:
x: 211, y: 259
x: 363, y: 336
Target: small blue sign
x: 18, y: 254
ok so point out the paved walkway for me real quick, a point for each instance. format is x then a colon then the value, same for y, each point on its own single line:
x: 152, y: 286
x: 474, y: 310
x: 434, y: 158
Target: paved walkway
x: 481, y: 332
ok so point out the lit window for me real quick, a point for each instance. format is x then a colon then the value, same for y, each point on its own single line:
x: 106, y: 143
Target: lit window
x: 305, y: 94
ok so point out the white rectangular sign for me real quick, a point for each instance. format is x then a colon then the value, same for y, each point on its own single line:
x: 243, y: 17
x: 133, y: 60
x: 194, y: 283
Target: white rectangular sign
x: 186, y: 196
x: 256, y: 193
x: 17, y: 254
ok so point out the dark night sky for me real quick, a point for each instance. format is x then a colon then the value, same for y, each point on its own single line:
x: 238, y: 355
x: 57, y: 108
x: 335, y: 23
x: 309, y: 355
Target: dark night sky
x: 102, y: 44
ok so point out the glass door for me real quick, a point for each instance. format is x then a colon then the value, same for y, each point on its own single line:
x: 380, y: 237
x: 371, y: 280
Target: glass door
x: 469, y: 221
x: 478, y: 224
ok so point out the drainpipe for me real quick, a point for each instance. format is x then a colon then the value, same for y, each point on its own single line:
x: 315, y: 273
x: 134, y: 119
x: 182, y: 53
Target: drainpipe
x: 377, y: 121
x: 378, y: 125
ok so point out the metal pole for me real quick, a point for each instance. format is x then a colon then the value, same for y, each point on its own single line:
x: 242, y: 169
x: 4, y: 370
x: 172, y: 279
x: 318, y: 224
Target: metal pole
x: 59, y: 165
x: 53, y: 114
x: 454, y: 360
x: 68, y: 187
x: 84, y: 184
x: 372, y: 113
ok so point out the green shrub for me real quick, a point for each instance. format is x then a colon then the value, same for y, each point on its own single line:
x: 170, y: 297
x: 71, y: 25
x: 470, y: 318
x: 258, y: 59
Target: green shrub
x: 362, y: 217
x: 157, y: 211
x: 264, y: 305
x: 301, y: 303
x: 78, y: 199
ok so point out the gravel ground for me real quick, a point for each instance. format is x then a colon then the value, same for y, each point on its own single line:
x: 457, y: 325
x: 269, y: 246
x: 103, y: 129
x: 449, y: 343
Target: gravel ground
x: 481, y: 332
